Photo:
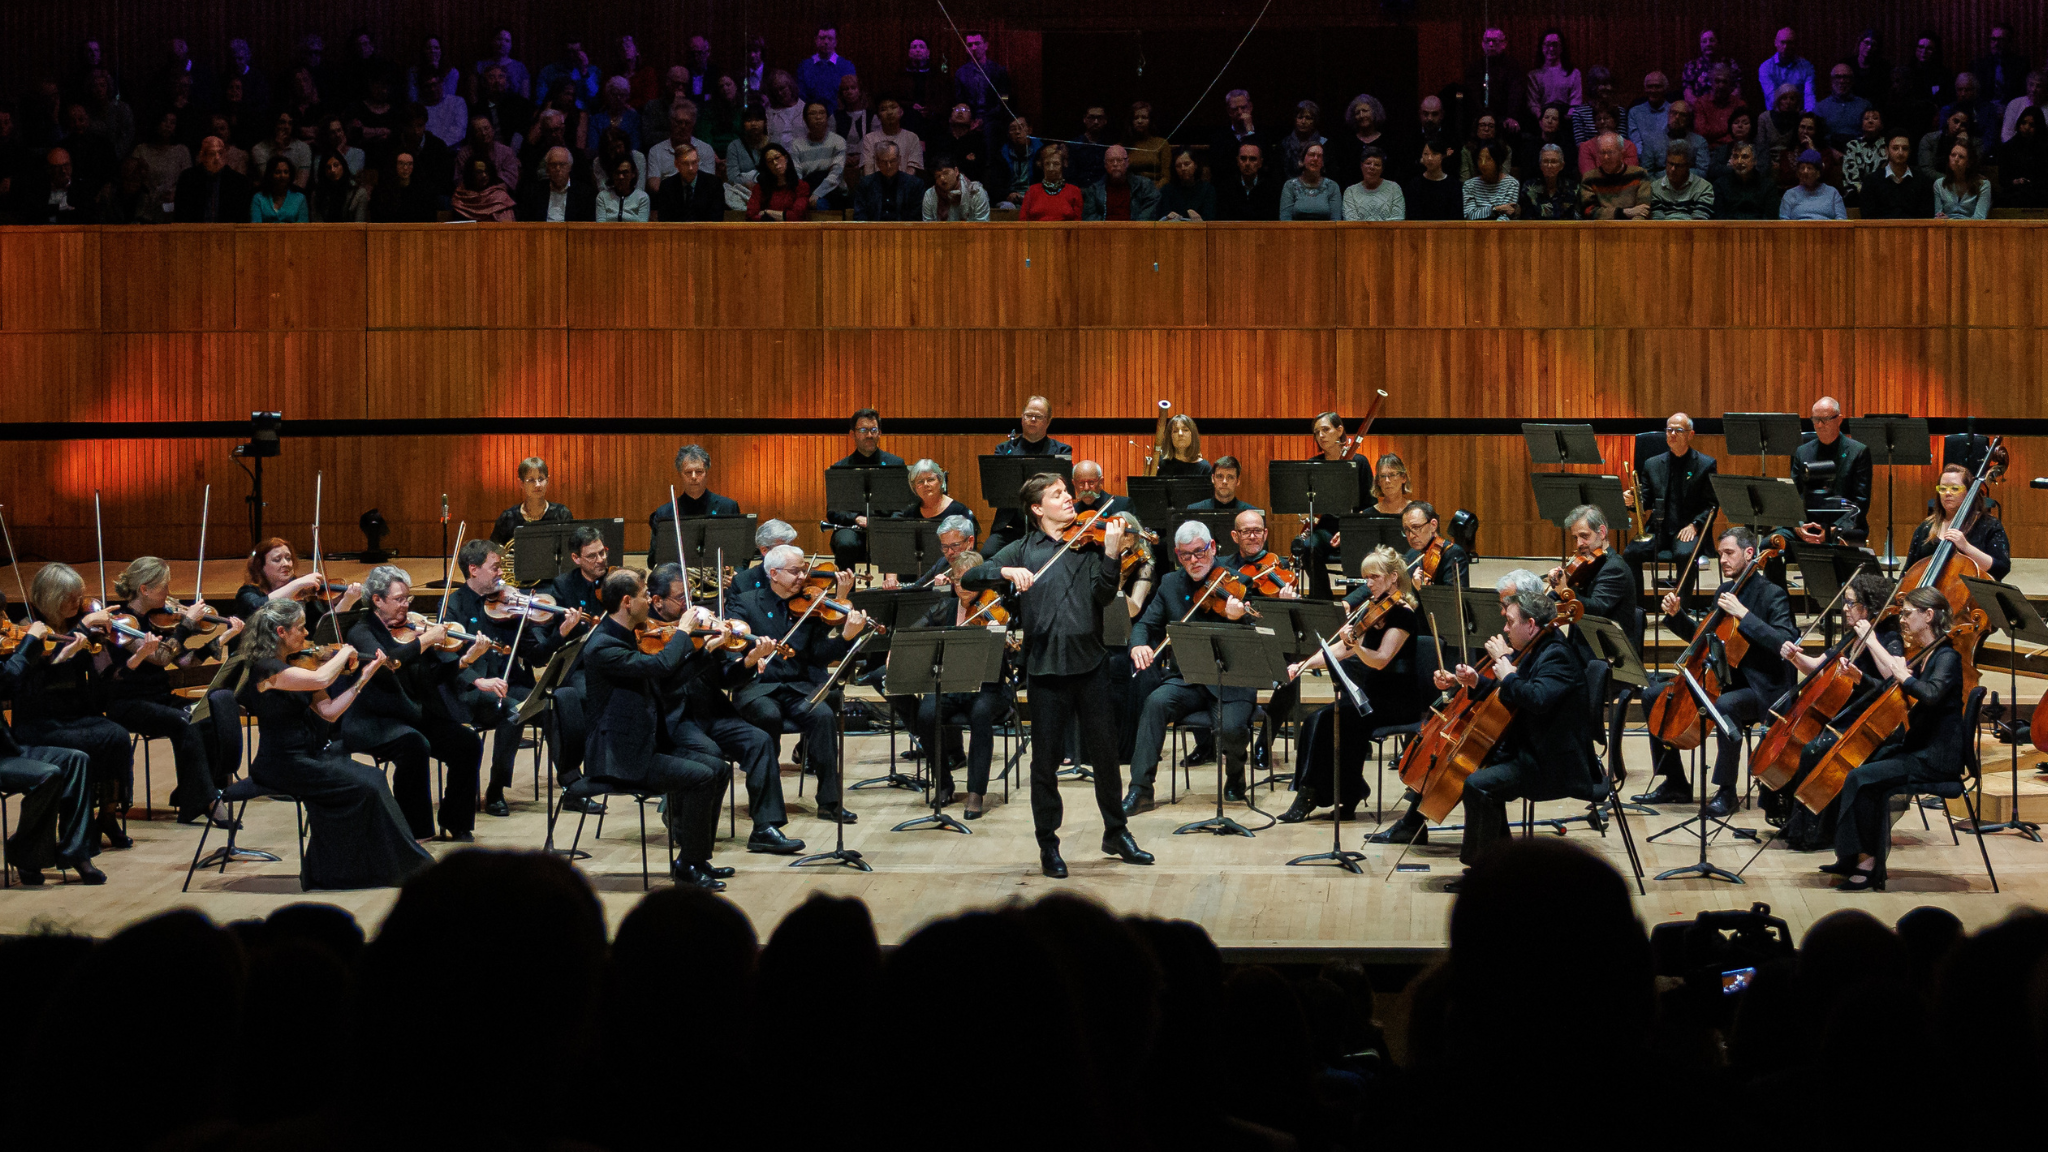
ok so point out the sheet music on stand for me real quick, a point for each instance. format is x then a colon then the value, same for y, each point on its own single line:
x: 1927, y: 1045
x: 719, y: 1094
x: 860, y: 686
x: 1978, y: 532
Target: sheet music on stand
x: 1002, y: 477
x: 703, y: 537
x: 897, y: 609
x: 540, y: 551
x: 1561, y: 443
x: 1610, y: 643
x: 1300, y: 624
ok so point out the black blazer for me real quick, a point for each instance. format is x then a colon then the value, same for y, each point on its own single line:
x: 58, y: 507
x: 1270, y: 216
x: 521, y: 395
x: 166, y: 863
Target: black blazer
x: 1175, y: 595
x: 532, y: 205
x: 1767, y: 627
x: 1682, y: 493
x: 817, y: 643
x: 1934, y: 719
x: 704, y: 202
x: 406, y: 695
x: 872, y: 202
x: 235, y: 192
x: 1552, y: 732
x: 622, y: 700
x: 1234, y: 203
x: 511, y: 519
x: 709, y: 504
x: 1851, y: 480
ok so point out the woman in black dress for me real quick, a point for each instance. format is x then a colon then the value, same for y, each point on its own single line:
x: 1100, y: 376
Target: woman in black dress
x: 61, y: 691
x: 1177, y: 446
x: 206, y: 752
x: 978, y: 710
x: 358, y: 836
x: 534, y: 507
x: 1314, y: 550
x: 1381, y: 661
x: 272, y: 574
x: 1929, y: 751
x: 1982, y: 536
x: 928, y: 483
x: 1804, y: 829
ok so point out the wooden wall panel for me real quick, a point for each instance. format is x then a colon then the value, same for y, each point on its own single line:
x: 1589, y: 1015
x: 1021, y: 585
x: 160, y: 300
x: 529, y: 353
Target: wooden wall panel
x: 50, y: 280
x: 52, y: 376
x: 176, y: 278
x: 458, y: 372
x: 465, y: 276
x: 289, y: 278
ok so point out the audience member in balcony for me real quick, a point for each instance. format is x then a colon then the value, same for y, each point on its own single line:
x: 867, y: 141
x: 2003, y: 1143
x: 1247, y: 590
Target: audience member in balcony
x: 820, y: 157
x: 111, y: 115
x: 1614, y: 189
x: 1864, y: 155
x: 1373, y: 195
x: 890, y: 129
x: 558, y: 195
x: 1306, y: 115
x: 1251, y: 193
x: 2037, y: 94
x: 283, y: 141
x: 1787, y: 68
x: 1649, y: 119
x: 304, y: 102
x: 1742, y: 191
x: 743, y: 155
x: 482, y: 196
x: 575, y: 122
x: 2023, y: 162
x: 1986, y: 113
x: 1492, y: 194
x: 615, y: 145
x: 1015, y: 168
x: 1909, y: 105
x: 1121, y: 194
x: 1365, y: 122
x: 1608, y: 117
x: 818, y: 74
x: 981, y: 83
x: 1870, y: 72
x: 615, y: 110
x: 652, y: 114
x: 1150, y: 154
x: 720, y: 121
x: 1053, y: 197
x: 890, y: 194
x: 1934, y: 146
x: 622, y: 200
x: 1084, y: 152
x: 689, y: 194
x: 517, y: 79
x: 785, y: 110
x: 1811, y: 136
x: 1741, y: 130
x: 1697, y: 77
x: 1599, y: 94
x: 483, y: 141
x: 1433, y: 194
x: 1777, y: 128
x: 1712, y: 109
x: 510, y: 114
x: 1497, y: 83
x: 335, y: 197
x: 1962, y: 193
x: 1185, y: 196
x: 1550, y: 193
x: 127, y: 199
x: 573, y: 67
x: 447, y: 113
x: 1841, y: 110
x: 1677, y: 194
x: 331, y: 136
x: 58, y: 197
x: 643, y: 84
x: 1485, y: 131
x: 166, y: 157
x: 1311, y: 195
x: 1677, y: 126
x: 1551, y: 128
x: 682, y: 141
x: 401, y: 197
x: 278, y: 201
x: 93, y: 163
x: 779, y: 194
x: 854, y: 119
x: 1554, y: 81
x: 1899, y: 190
x: 1237, y: 131
x: 436, y: 160
x: 211, y: 191
x: 953, y: 196
x: 374, y: 120
x: 1810, y: 199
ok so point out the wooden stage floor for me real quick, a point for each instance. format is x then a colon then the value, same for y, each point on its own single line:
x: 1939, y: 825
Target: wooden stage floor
x: 1240, y: 889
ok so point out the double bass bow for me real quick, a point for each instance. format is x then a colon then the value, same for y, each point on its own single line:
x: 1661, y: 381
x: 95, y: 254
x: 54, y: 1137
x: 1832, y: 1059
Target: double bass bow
x: 1675, y: 717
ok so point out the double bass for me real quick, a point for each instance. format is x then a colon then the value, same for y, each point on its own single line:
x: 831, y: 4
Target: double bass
x: 1675, y: 717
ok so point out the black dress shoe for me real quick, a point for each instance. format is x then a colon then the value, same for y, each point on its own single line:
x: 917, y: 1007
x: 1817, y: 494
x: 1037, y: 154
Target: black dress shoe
x: 1198, y: 757
x: 110, y: 827
x: 1724, y: 804
x: 837, y: 814
x: 1402, y: 831
x: 1861, y: 880
x: 1839, y: 867
x: 583, y: 804
x: 1049, y: 862
x: 1122, y: 846
x: 1137, y: 800
x: 945, y: 796
x: 1671, y: 791
x: 1457, y: 885
x: 1300, y: 810
x: 87, y: 874
x: 696, y: 876
x: 497, y: 807
x: 721, y: 872
x: 1233, y: 790
x: 33, y: 877
x: 774, y: 842
x: 454, y: 837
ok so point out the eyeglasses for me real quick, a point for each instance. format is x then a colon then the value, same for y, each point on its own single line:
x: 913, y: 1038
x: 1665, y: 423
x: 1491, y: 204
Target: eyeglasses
x: 1194, y: 553
x: 1951, y: 489
x: 1248, y: 531
x: 1676, y: 429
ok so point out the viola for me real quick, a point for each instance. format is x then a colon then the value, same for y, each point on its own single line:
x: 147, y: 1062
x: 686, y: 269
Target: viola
x: 315, y: 656
x: 505, y: 603
x: 1424, y: 569
x: 815, y: 598
x: 655, y: 637
x: 1271, y: 578
x: 1675, y: 717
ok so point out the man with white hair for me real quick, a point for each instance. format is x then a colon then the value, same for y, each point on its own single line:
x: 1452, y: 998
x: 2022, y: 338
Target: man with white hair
x: 782, y: 684
x: 772, y: 534
x: 1230, y: 708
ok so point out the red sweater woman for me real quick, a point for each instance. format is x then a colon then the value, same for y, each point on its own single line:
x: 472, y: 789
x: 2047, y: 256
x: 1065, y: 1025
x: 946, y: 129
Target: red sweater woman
x: 1054, y: 198
x: 780, y: 194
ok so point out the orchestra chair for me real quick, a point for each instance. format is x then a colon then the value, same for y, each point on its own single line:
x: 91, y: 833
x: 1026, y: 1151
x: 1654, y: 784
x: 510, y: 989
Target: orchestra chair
x: 592, y: 787
x: 1969, y: 789
x: 237, y: 796
x: 1607, y: 735
x: 1008, y: 726
x: 1400, y: 734
x: 138, y: 740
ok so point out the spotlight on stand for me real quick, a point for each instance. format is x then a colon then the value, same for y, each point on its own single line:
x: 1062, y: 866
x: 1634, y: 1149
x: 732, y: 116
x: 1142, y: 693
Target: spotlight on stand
x: 374, y: 529
x: 263, y: 443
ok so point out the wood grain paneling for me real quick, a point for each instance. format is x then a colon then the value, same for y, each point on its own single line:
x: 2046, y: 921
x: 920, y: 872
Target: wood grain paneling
x: 49, y: 280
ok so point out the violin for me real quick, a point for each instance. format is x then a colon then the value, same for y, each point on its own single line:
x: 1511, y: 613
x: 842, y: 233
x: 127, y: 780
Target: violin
x: 1271, y: 578
x: 1580, y: 570
x: 989, y: 606
x: 1095, y: 530
x: 1219, y: 587
x: 167, y: 619
x: 1675, y: 717
x: 1424, y: 569
x: 456, y: 639
x: 815, y: 598
x: 506, y: 603
x: 654, y: 637
x: 316, y: 656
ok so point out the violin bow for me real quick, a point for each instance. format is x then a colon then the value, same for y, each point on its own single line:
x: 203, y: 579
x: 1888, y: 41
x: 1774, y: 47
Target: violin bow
x: 100, y: 540
x: 199, y: 578
x: 717, y: 577
x: 448, y: 573
x: 12, y: 562
x: 675, y: 521
x: 319, y: 482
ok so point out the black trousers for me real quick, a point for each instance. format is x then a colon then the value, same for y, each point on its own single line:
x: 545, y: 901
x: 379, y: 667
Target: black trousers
x: 199, y: 782
x: 1053, y: 700
x: 408, y: 747
x: 1278, y: 708
x: 1864, y: 819
x: 1741, y: 705
x: 818, y: 724
x: 849, y: 547
x: 570, y: 733
x: 55, y: 820
x: 1176, y: 700
x: 724, y: 738
x: 979, y: 711
x: 104, y: 742
x: 1487, y: 793
x: 693, y: 787
x: 505, y: 736
x: 1321, y: 733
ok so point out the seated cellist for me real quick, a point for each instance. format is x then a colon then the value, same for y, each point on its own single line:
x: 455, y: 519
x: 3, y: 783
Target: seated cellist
x: 1862, y: 599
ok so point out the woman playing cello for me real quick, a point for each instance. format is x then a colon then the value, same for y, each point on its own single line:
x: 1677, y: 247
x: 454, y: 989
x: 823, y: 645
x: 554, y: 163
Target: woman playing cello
x: 1861, y: 601
x: 1982, y: 536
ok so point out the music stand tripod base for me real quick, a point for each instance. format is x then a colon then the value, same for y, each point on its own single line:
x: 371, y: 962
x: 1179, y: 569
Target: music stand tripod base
x: 846, y: 856
x: 840, y: 853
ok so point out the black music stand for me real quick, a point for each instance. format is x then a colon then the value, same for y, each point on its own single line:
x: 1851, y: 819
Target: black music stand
x: 1759, y: 502
x: 1703, y: 867
x: 540, y: 700
x: 1219, y: 523
x: 1227, y: 656
x: 1561, y: 443
x: 703, y: 538
x: 1003, y: 477
x: 1444, y: 605
x: 1298, y: 487
x: 1893, y: 441
x: 894, y: 609
x: 1299, y: 624
x: 2012, y: 614
x: 862, y: 490
x: 1760, y: 434
x: 1557, y: 493
x: 904, y: 547
x: 1347, y: 692
x: 541, y: 551
x: 1161, y: 501
x: 941, y: 660
x: 840, y: 853
x: 1362, y: 534
x: 1823, y: 569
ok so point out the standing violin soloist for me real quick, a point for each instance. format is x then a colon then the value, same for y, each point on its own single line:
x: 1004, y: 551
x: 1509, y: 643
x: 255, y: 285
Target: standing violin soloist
x: 1061, y: 591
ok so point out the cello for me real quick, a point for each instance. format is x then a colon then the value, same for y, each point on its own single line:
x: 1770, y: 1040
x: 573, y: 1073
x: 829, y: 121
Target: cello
x: 1947, y: 567
x: 1876, y: 726
x: 1822, y: 697
x: 1675, y: 717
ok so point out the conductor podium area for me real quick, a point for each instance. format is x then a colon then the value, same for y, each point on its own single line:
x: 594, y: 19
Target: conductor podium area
x: 413, y: 364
